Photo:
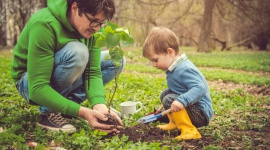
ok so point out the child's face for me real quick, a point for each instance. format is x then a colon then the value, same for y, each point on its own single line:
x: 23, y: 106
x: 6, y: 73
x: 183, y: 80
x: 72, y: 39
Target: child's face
x: 160, y: 61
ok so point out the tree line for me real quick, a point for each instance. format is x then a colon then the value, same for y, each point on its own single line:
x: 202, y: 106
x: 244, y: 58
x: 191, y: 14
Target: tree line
x: 206, y: 24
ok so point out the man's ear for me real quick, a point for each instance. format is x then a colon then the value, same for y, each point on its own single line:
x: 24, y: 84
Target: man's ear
x: 170, y: 52
x: 74, y: 7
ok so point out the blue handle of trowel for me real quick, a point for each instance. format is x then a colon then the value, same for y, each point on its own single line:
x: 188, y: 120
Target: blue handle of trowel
x: 163, y: 113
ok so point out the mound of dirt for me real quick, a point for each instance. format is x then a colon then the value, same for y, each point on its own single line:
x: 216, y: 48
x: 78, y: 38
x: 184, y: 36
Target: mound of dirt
x: 150, y: 133
x: 146, y: 133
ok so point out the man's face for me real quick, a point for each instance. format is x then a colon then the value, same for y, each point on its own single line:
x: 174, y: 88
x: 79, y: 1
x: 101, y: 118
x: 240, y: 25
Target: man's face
x: 86, y: 24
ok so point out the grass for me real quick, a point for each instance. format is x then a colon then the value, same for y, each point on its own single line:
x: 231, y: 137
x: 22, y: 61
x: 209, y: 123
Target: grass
x: 237, y: 59
x: 245, y: 113
x: 211, y: 73
x: 249, y: 61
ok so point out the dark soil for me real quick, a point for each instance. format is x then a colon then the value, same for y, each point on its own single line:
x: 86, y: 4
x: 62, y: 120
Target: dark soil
x: 150, y: 133
x: 111, y: 120
x: 145, y: 133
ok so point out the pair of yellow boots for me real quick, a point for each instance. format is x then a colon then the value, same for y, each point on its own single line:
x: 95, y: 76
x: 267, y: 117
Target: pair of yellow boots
x: 181, y: 121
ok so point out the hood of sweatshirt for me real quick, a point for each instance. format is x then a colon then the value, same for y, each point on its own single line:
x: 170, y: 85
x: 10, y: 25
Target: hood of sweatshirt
x: 58, y: 8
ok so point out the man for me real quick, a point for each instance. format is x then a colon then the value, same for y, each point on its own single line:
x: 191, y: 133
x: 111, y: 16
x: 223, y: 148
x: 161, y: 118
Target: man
x: 56, y: 64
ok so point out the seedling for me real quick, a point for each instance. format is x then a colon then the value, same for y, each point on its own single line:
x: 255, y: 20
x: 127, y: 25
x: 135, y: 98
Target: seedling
x: 114, y: 38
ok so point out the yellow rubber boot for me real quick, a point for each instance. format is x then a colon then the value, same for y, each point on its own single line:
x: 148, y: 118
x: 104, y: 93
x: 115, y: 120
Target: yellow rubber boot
x: 169, y: 126
x: 184, y: 124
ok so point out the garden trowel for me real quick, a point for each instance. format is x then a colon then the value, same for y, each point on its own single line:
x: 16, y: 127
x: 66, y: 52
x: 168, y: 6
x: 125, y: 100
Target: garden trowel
x: 153, y: 117
x: 159, y: 110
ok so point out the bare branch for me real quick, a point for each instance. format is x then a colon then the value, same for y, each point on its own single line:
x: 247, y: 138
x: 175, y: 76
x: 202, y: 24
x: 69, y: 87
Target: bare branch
x: 178, y: 18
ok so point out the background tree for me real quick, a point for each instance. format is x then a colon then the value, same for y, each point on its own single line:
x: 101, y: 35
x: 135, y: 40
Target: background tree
x: 242, y: 23
x: 203, y: 45
x: 207, y: 24
x: 3, y: 22
x: 142, y: 15
x: 16, y: 13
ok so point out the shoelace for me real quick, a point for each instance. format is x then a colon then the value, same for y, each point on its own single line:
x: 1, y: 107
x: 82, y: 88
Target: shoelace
x: 58, y: 119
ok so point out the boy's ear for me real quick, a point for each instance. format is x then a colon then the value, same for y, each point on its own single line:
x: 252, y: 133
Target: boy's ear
x: 170, y: 51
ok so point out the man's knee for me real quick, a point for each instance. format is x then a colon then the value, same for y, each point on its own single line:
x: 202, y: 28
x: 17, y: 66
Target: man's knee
x: 78, y: 52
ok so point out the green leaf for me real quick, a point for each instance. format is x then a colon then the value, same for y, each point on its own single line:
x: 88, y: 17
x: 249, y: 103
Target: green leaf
x: 108, y: 29
x: 95, y: 132
x: 124, y: 30
x: 101, y: 41
x: 116, y: 54
x: 98, y: 34
x: 130, y: 55
x: 116, y: 63
x: 112, y: 25
x: 127, y: 40
x: 107, y: 57
x: 112, y: 39
x: 40, y: 146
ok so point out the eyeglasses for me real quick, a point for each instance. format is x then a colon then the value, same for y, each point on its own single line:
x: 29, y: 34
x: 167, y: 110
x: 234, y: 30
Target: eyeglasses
x: 94, y: 23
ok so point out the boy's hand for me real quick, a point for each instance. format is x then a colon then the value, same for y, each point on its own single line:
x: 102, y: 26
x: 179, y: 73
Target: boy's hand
x: 176, y: 106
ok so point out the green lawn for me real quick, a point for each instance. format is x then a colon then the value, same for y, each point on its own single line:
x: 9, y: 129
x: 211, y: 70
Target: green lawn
x: 241, y: 60
x: 237, y: 113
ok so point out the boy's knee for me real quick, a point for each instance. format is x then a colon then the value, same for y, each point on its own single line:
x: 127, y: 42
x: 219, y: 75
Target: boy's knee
x: 164, y: 93
x: 168, y: 100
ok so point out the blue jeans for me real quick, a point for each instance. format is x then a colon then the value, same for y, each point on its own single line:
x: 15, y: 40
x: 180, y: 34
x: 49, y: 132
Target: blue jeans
x: 69, y: 65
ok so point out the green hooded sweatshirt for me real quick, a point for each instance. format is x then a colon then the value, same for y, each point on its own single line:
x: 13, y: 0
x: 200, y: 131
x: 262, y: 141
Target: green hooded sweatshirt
x: 46, y: 32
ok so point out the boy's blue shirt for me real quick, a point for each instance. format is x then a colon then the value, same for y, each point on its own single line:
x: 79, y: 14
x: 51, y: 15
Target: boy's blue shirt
x: 189, y: 83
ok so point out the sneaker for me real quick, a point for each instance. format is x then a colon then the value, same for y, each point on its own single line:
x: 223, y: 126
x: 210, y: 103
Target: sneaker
x: 55, y: 122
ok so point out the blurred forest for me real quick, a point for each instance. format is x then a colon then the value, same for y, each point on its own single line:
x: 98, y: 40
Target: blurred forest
x: 205, y: 24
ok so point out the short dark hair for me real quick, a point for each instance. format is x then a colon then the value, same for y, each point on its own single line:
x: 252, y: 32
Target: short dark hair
x: 94, y: 7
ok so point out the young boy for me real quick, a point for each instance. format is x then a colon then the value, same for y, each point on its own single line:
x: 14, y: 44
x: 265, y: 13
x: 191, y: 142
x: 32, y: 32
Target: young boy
x: 188, y: 94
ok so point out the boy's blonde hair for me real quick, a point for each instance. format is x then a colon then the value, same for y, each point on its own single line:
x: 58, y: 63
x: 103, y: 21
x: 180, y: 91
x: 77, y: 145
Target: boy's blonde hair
x: 159, y: 40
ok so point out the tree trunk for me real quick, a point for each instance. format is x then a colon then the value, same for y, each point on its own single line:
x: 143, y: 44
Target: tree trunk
x: 203, y: 44
x: 15, y: 14
x: 3, y: 36
x: 262, y: 40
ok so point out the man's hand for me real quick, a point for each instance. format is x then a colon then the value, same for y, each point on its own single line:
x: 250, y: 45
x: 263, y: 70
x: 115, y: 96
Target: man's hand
x: 92, y: 117
x: 176, y: 106
x: 104, y: 110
